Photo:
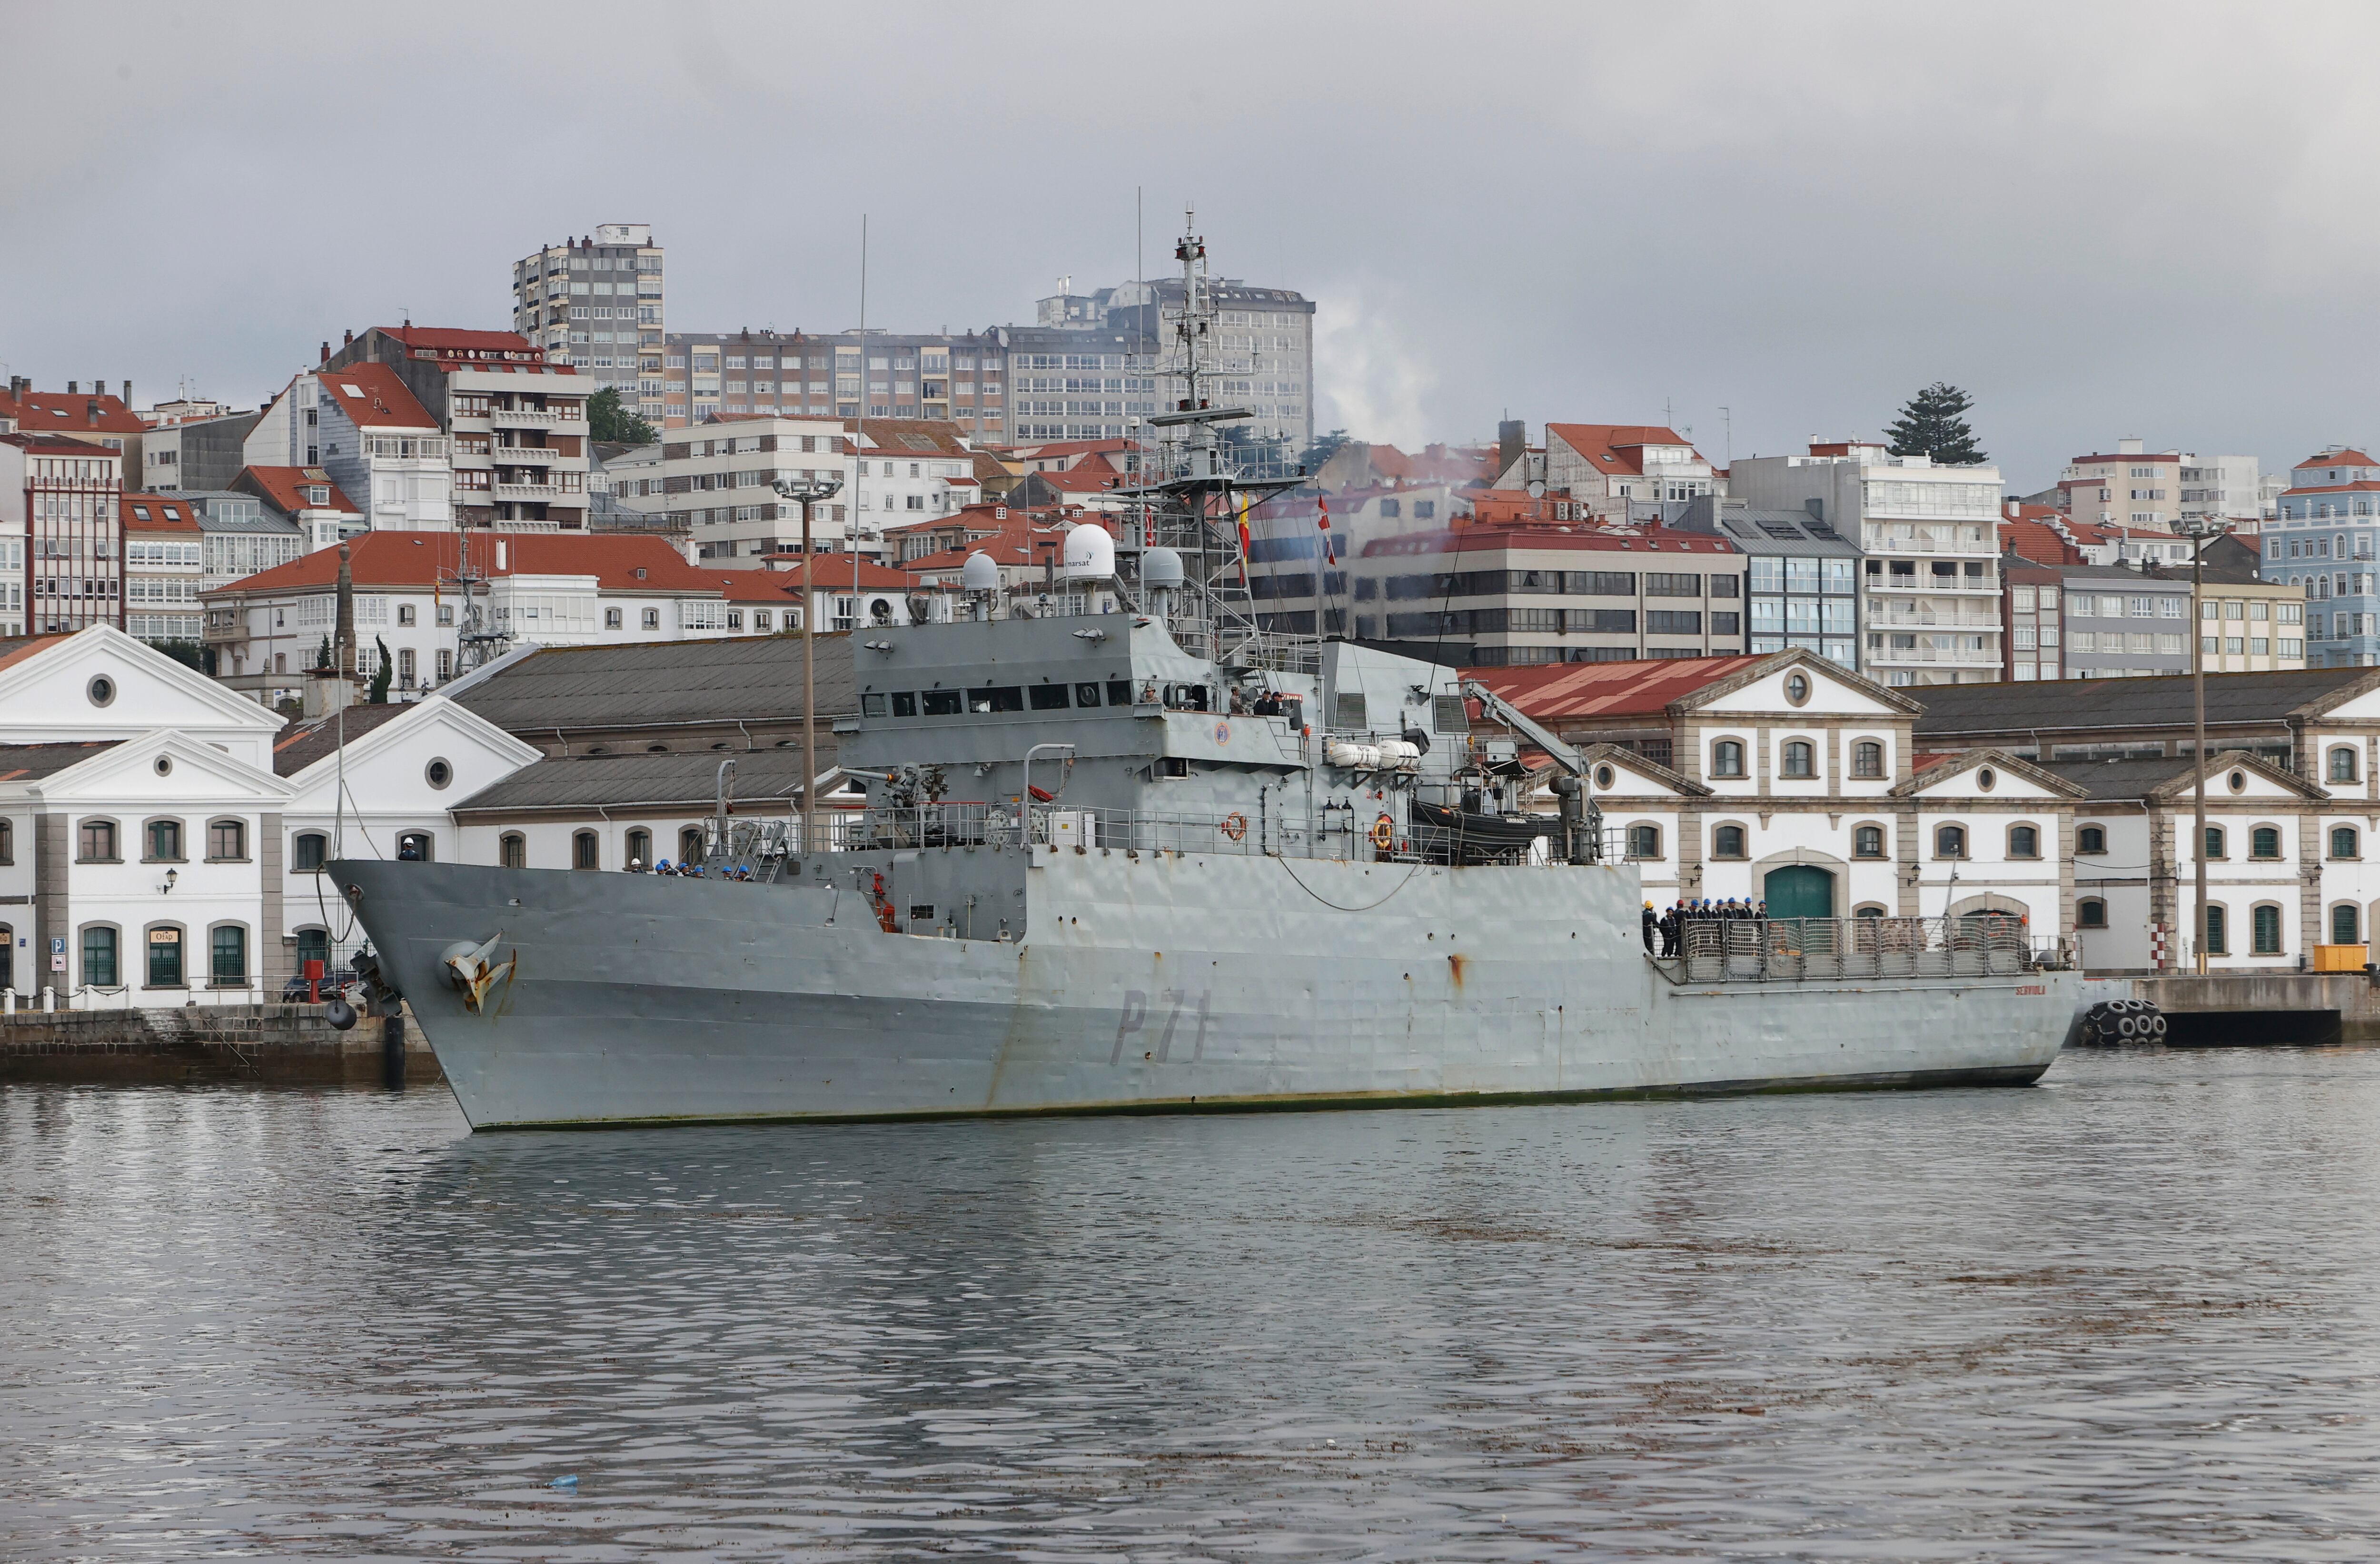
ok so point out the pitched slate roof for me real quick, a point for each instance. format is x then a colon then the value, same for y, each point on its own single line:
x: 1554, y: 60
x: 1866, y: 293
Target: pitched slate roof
x: 301, y: 744
x: 2068, y: 706
x: 662, y: 683
x: 30, y: 762
x: 2149, y: 777
x: 764, y: 780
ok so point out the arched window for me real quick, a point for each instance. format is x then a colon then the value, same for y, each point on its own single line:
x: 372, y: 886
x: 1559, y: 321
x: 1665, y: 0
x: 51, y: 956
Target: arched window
x: 1871, y: 910
x: 7, y: 842
x: 2346, y: 925
x: 586, y: 851
x: 513, y: 849
x: 2264, y: 929
x: 308, y: 850
x: 2265, y: 841
x: 8, y: 956
x: 2091, y: 839
x: 1867, y: 841
x: 640, y: 849
x: 2024, y: 841
x: 1726, y: 758
x: 226, y: 840
x: 2343, y: 764
x: 1801, y: 758
x: 416, y: 847
x: 2218, y: 935
x: 2091, y: 912
x: 99, y: 956
x: 228, y: 968
x: 690, y: 845
x: 1949, y: 842
x: 164, y: 945
x: 95, y: 843
x: 1644, y: 842
x: 1727, y: 842
x: 2346, y: 841
x: 313, y: 944
x: 1867, y: 759
x: 162, y: 841
x: 2214, y: 842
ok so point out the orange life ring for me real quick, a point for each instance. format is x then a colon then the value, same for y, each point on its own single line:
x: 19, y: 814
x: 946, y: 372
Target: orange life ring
x: 1384, y: 831
x: 1236, y: 825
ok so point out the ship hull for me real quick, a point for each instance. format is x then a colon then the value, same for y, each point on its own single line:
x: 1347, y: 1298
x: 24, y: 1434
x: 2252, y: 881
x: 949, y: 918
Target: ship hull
x: 1140, y: 982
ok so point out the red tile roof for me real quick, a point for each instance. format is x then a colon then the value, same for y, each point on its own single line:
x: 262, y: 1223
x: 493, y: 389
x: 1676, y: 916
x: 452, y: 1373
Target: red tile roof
x: 59, y: 412
x: 1561, y: 691
x: 1616, y: 448
x: 158, y: 512
x: 441, y: 339
x: 421, y: 559
x: 786, y: 573
x: 1018, y: 543
x: 286, y: 488
x: 371, y: 396
x: 2349, y: 458
x: 2036, y: 540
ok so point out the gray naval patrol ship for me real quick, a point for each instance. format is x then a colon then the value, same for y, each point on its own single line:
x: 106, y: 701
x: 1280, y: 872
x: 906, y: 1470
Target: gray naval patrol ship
x: 1125, y: 849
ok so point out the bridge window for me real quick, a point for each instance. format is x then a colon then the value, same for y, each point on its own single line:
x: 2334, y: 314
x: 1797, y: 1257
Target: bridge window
x: 995, y: 699
x: 941, y: 703
x: 1049, y: 697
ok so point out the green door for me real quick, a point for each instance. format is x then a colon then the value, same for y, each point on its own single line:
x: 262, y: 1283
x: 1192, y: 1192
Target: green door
x: 1800, y: 891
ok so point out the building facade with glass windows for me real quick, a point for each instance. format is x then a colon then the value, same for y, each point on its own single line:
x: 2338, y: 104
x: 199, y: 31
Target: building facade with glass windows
x: 1800, y: 578
x: 2321, y: 542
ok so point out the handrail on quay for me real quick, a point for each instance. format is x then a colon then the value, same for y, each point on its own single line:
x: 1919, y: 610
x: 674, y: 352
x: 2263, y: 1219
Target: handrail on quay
x: 1791, y: 950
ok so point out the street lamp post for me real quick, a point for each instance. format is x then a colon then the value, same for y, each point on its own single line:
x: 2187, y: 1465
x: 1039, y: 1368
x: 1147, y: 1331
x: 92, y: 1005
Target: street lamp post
x: 2199, y: 530
x: 806, y: 494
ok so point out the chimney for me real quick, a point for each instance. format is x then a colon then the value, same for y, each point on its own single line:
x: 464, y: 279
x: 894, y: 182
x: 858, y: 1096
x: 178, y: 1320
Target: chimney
x: 98, y: 388
x: 74, y: 388
x: 346, y: 338
x: 128, y: 393
x: 326, y: 350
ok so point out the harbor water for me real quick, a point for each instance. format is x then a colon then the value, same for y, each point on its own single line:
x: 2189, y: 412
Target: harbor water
x: 2130, y: 1313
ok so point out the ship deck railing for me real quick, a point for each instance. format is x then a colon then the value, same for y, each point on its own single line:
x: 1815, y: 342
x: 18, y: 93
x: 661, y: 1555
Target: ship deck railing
x: 1800, y: 949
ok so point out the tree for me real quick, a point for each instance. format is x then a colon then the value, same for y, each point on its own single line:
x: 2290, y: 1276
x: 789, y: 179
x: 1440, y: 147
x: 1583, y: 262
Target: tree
x: 1324, y: 447
x: 612, y: 424
x: 381, y: 673
x: 323, y: 653
x: 1934, y: 424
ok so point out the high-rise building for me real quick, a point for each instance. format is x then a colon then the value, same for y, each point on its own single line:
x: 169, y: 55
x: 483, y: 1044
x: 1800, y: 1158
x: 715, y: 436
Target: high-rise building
x: 2148, y: 490
x: 596, y: 303
x: 365, y: 429
x: 2323, y: 544
x: 1930, y: 586
x: 64, y: 501
x: 942, y: 378
x: 1260, y: 358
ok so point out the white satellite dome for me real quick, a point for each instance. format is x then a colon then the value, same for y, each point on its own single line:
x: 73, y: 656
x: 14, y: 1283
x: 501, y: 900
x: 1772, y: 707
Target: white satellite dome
x: 1090, y: 554
x: 1161, y: 568
x: 980, y: 575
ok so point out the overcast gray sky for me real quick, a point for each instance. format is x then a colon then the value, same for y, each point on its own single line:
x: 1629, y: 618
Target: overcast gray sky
x: 2103, y: 220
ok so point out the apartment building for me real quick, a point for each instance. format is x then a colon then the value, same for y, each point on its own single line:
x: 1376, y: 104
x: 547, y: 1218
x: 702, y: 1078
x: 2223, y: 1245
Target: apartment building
x: 719, y: 481
x: 1259, y: 356
x: 2321, y: 541
x: 596, y: 303
x: 322, y: 510
x: 1600, y: 468
x: 2143, y: 490
x: 65, y: 515
x: 196, y: 453
x: 945, y: 378
x: 1800, y: 578
x: 515, y: 424
x: 93, y: 416
x: 162, y: 568
x: 241, y: 533
x: 363, y: 428
x: 1929, y: 587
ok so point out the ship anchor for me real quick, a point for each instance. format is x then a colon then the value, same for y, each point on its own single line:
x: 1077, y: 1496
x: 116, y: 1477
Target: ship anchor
x: 472, y: 971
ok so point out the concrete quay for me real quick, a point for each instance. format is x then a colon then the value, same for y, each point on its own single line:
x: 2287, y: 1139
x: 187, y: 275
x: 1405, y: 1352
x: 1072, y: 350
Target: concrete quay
x: 277, y: 1044
x: 2254, y: 1007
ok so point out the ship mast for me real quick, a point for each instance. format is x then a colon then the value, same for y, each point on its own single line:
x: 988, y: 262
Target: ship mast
x: 477, y: 640
x: 1192, y: 491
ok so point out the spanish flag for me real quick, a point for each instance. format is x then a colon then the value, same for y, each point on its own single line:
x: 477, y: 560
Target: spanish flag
x: 1330, y: 551
x: 1244, y: 538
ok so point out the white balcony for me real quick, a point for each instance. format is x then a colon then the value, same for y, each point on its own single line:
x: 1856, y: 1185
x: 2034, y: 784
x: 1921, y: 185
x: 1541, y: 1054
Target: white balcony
x: 1931, y: 654
x: 527, y: 491
x: 529, y: 455
x: 528, y: 418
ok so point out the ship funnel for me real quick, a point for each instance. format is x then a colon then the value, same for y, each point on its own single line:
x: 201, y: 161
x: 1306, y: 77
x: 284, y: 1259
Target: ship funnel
x: 1090, y: 554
